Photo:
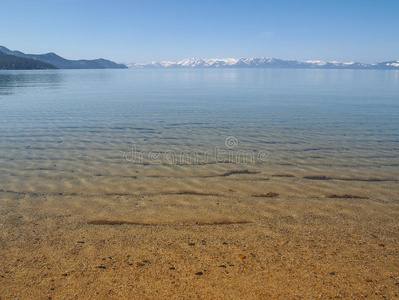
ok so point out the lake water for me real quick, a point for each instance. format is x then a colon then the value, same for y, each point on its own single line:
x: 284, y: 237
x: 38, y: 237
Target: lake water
x: 238, y: 183
x: 90, y: 132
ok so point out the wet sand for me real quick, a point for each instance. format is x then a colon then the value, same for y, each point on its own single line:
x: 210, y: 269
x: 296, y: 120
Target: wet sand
x: 210, y: 231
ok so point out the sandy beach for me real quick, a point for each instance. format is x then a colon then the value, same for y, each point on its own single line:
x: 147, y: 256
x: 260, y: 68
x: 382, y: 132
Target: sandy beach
x: 205, y: 232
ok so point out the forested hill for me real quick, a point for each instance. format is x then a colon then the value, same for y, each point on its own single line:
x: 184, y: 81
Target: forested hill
x: 63, y: 63
x: 12, y: 62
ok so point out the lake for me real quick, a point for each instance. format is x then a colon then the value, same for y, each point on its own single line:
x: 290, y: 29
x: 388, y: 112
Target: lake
x: 314, y: 118
x: 262, y: 183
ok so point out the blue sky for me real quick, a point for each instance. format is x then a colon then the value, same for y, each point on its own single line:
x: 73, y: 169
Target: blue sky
x: 140, y: 31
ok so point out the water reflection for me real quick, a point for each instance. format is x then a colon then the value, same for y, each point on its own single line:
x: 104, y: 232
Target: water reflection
x: 17, y: 81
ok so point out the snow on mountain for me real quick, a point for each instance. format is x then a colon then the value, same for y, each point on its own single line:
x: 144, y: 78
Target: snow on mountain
x: 316, y: 62
x: 393, y: 64
x: 262, y: 62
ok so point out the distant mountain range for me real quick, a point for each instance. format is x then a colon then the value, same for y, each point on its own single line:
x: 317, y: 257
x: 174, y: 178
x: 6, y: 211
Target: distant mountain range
x: 18, y: 60
x: 264, y: 62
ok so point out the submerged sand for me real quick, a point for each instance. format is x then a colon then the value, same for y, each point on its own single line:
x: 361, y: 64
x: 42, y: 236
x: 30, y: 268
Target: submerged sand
x: 217, y: 231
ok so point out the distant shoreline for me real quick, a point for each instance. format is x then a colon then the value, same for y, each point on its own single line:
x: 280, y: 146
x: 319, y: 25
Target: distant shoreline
x: 17, y: 60
x: 264, y: 63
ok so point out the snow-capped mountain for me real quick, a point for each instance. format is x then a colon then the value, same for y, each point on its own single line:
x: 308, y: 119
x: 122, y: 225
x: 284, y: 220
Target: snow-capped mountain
x: 262, y: 62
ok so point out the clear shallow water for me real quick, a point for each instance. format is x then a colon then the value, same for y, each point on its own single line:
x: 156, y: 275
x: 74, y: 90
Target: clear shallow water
x: 85, y: 121
x: 63, y: 136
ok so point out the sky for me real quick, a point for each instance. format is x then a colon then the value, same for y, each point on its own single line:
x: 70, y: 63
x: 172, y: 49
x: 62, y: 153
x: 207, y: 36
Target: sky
x: 140, y: 31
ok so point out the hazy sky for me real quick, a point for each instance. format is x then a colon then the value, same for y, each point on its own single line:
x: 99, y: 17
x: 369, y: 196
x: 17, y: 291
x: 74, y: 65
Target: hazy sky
x: 140, y: 31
